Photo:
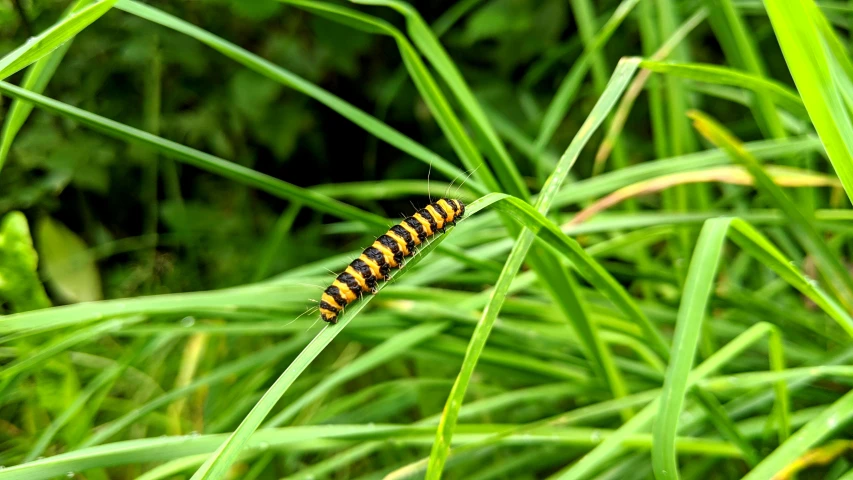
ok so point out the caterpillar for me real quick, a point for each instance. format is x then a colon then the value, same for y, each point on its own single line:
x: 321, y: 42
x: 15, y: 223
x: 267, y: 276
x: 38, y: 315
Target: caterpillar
x: 387, y: 252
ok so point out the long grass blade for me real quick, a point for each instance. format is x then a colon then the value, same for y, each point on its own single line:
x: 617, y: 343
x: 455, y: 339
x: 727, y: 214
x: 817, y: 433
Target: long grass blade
x: 701, y: 277
x: 810, y: 65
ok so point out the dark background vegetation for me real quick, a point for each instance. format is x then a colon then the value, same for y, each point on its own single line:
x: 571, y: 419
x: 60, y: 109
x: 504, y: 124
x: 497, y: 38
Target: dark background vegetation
x: 513, y: 52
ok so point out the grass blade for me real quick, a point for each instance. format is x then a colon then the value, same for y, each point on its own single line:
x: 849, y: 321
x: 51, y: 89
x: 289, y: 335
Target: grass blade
x: 218, y: 464
x: 426, y: 84
x: 562, y: 101
x: 428, y: 43
x: 828, y: 421
x: 780, y: 94
x: 440, y: 450
x: 394, y: 346
x: 701, y: 276
x: 754, y: 243
x: 809, y: 64
x: 613, y: 446
x: 52, y: 38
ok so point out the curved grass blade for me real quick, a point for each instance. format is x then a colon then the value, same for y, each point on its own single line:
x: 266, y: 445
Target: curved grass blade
x: 49, y: 40
x: 223, y: 372
x: 169, y: 448
x: 757, y: 245
x: 780, y: 94
x: 733, y: 175
x: 268, y: 295
x: 803, y: 227
x: 614, y: 445
x: 620, y: 116
x: 741, y: 50
x: 62, y: 343
x: 828, y: 421
x: 588, y: 189
x: 103, y: 381
x: 441, y: 447
x: 562, y: 101
x: 217, y: 465
x: 321, y: 437
x: 701, y: 276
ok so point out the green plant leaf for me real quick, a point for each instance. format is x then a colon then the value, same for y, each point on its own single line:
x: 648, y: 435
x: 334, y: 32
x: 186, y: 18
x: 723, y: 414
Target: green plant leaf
x: 67, y: 263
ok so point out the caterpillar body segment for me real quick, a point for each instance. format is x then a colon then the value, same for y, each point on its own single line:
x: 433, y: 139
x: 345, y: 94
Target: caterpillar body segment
x: 387, y: 252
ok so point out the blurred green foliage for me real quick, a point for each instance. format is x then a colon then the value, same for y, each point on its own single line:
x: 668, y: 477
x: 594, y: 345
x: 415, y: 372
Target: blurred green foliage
x: 102, y: 189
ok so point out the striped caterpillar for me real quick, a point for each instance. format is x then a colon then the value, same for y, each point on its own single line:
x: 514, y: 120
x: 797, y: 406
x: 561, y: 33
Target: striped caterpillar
x: 387, y: 252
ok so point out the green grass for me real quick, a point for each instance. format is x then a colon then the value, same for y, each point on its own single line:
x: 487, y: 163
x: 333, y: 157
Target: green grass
x: 698, y: 331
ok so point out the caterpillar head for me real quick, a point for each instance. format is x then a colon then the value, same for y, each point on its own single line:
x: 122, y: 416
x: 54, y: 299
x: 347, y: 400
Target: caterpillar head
x: 461, y: 211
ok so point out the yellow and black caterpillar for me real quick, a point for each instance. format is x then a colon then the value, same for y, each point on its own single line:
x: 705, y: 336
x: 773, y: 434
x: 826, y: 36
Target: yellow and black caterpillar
x: 387, y: 252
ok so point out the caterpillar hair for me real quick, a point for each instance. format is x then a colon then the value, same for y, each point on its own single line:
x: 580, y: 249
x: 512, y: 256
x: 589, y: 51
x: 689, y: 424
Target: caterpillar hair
x: 387, y: 252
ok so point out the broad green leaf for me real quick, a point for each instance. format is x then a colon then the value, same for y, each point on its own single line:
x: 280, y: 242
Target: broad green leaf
x: 67, y: 263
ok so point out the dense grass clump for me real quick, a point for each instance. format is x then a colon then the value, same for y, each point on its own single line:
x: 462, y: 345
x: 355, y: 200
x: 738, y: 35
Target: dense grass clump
x: 653, y: 278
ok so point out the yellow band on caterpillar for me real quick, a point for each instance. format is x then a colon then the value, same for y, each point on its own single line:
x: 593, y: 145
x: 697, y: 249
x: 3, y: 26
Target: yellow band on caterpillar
x: 348, y: 294
x: 412, y: 233
x: 400, y: 242
x: 388, y: 254
x: 424, y: 223
x: 449, y: 210
x: 439, y: 218
x: 358, y: 278
x: 374, y: 268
